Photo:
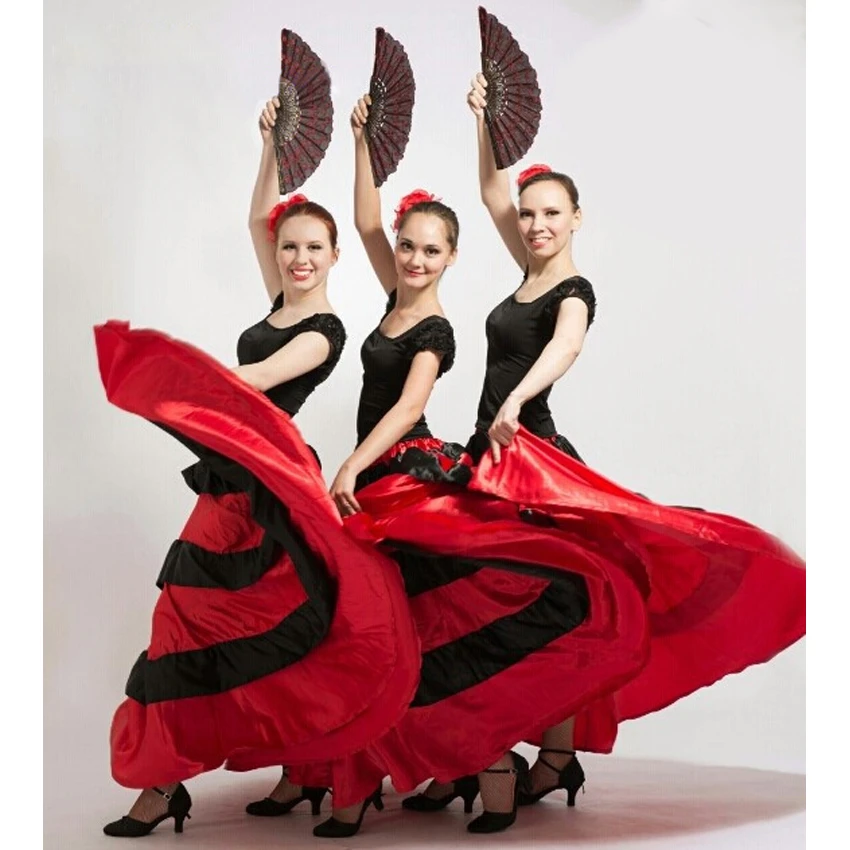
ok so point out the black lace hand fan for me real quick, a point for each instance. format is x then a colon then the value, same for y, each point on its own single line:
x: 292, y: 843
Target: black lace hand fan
x: 391, y: 90
x: 304, y: 122
x: 513, y: 96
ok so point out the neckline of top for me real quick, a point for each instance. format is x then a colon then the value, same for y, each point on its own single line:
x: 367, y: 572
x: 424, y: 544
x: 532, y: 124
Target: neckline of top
x: 295, y: 325
x: 413, y: 328
x: 543, y: 295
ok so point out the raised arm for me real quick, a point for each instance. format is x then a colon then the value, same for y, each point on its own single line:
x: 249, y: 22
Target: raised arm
x: 367, y: 202
x: 396, y: 422
x: 266, y: 195
x: 494, y: 184
x: 555, y: 359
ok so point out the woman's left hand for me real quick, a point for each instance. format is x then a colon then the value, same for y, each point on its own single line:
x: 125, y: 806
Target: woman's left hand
x: 505, y: 427
x: 342, y: 491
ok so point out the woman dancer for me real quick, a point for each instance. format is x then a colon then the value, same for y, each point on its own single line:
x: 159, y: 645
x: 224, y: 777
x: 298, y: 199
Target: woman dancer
x: 471, y: 581
x: 534, y: 336
x: 411, y: 347
x: 254, y: 607
x: 582, y: 600
x: 676, y: 594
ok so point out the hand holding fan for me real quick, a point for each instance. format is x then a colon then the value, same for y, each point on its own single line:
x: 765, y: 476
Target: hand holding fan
x: 304, y: 122
x: 513, y: 96
x: 391, y: 90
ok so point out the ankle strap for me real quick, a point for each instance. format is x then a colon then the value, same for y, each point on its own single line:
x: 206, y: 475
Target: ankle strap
x: 500, y: 770
x: 164, y: 794
x: 549, y: 764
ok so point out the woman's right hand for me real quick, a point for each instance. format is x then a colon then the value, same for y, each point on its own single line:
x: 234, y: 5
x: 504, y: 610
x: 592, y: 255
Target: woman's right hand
x: 359, y: 116
x: 268, y: 117
x: 342, y: 491
x: 477, y: 97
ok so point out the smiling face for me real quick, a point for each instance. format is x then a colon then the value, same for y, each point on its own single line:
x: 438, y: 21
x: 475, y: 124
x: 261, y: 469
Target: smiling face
x: 305, y: 254
x: 547, y: 218
x: 422, y: 250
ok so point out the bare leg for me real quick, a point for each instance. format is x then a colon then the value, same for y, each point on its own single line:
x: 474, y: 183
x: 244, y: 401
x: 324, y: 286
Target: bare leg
x: 349, y: 814
x: 438, y: 790
x: 497, y: 789
x: 149, y: 805
x: 559, y: 737
x: 285, y: 791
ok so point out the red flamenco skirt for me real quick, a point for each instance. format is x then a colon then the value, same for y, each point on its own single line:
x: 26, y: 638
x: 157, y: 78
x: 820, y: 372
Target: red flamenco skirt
x: 723, y: 594
x: 542, y: 592
x: 276, y: 638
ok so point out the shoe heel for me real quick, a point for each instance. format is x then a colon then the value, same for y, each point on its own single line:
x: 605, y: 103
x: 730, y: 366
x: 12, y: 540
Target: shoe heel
x: 315, y: 796
x: 178, y: 824
x: 378, y: 803
x: 572, y: 793
x: 467, y: 803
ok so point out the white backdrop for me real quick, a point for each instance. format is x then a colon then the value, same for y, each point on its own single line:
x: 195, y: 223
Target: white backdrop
x: 682, y: 124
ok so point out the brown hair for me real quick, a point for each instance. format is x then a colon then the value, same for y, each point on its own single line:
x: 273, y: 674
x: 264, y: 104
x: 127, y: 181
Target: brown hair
x: 441, y: 211
x: 555, y: 177
x: 312, y: 209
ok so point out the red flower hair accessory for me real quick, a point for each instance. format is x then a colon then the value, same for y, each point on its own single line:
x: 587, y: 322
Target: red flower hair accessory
x: 417, y: 196
x: 279, y: 209
x: 532, y: 171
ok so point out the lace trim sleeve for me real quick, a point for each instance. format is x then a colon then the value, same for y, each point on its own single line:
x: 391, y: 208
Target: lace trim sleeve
x: 331, y: 328
x: 574, y: 287
x: 437, y: 336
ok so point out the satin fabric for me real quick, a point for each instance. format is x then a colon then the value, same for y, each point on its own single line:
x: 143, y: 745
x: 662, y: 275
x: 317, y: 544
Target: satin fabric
x: 656, y: 601
x: 679, y: 598
x: 346, y: 690
x: 724, y: 594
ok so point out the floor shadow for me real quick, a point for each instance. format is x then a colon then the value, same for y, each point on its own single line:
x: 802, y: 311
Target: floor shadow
x: 625, y: 801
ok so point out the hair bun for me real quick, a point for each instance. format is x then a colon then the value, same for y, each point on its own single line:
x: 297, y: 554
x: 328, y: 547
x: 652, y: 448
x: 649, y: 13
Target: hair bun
x: 532, y: 171
x: 417, y: 196
x: 279, y: 209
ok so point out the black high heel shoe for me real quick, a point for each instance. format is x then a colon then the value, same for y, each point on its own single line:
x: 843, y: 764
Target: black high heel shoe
x: 269, y: 808
x: 570, y: 777
x: 497, y: 821
x: 179, y: 804
x: 333, y: 828
x: 466, y: 788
